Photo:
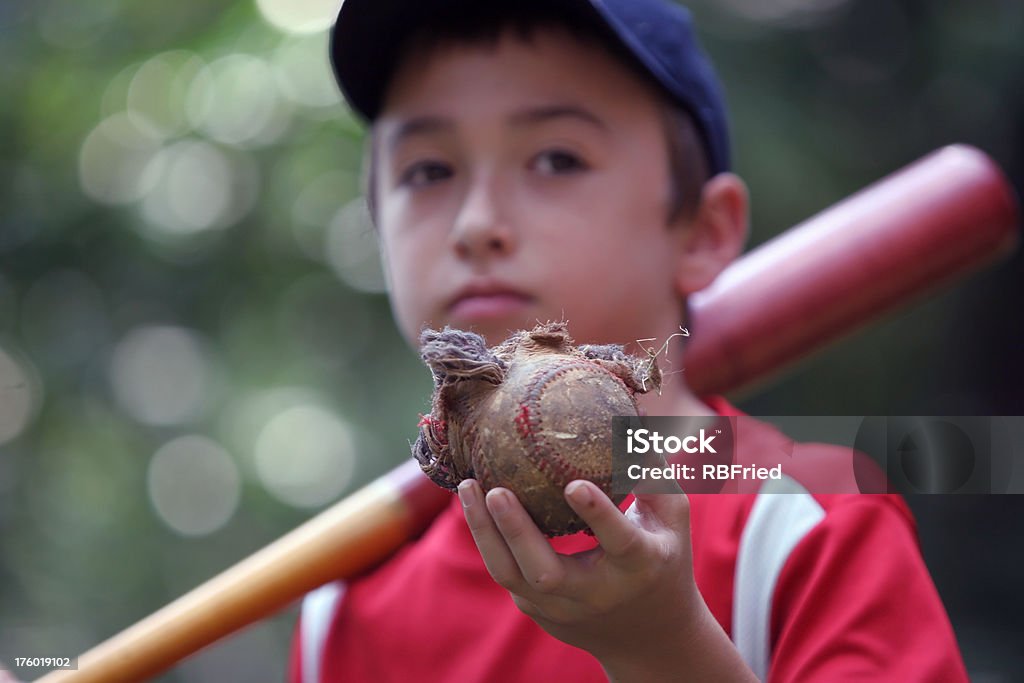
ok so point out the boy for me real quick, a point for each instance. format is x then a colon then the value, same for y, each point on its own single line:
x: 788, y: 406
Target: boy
x: 540, y: 160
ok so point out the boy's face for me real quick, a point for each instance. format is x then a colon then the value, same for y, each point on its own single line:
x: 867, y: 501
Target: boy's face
x: 526, y: 181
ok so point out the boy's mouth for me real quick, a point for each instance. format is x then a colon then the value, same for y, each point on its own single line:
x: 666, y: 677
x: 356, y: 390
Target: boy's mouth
x: 482, y: 301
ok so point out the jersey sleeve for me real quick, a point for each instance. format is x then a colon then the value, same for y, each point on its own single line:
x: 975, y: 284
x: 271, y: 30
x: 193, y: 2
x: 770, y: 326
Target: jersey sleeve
x: 855, y: 602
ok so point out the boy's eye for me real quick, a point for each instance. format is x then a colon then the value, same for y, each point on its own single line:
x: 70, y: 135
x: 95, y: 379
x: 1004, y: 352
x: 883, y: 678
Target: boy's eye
x: 556, y: 161
x: 424, y: 173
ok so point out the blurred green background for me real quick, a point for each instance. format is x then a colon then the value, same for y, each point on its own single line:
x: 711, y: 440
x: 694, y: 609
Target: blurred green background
x: 196, y: 354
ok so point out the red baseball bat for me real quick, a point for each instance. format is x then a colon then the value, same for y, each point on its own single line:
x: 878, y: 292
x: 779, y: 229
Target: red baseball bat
x: 917, y: 229
x: 898, y: 239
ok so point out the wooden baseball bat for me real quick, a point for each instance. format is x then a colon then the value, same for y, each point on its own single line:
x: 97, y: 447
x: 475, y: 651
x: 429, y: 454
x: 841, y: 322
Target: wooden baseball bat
x: 921, y: 227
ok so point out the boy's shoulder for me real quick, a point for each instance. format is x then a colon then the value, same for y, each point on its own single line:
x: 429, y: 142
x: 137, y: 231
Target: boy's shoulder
x: 790, y: 573
x: 816, y: 510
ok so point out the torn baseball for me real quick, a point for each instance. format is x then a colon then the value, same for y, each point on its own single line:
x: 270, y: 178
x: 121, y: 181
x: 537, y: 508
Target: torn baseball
x: 530, y: 415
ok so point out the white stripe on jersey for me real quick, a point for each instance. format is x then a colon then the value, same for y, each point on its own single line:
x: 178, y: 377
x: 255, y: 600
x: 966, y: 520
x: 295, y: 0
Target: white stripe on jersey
x: 318, y: 609
x: 775, y: 525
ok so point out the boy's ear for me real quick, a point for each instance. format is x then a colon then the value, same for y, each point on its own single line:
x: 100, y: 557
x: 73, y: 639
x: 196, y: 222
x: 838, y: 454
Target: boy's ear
x: 714, y: 237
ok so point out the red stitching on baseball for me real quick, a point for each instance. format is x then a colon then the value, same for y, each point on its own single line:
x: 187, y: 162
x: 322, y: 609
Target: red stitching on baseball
x: 543, y: 457
x: 522, y: 421
x: 438, y: 428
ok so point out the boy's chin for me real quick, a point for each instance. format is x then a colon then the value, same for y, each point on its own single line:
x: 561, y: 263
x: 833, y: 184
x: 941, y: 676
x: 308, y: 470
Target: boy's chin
x: 494, y: 329
x: 497, y: 328
x: 494, y: 332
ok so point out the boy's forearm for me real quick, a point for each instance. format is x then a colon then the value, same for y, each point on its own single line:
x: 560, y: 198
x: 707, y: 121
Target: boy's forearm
x: 705, y: 653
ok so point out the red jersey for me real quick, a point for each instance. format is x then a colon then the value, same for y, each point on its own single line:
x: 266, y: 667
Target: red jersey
x: 809, y: 587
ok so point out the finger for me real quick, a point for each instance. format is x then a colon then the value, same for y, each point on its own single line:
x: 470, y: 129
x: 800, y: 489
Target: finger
x: 540, y: 565
x: 617, y: 535
x: 498, y: 559
x: 655, y: 511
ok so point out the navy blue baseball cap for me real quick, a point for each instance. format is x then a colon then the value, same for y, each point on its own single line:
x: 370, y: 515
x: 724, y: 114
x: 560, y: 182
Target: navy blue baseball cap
x: 369, y: 35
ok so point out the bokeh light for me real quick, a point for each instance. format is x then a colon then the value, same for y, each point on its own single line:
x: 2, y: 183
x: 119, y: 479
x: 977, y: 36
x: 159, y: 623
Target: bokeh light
x: 352, y: 248
x: 163, y: 375
x: 243, y: 417
x: 197, y: 187
x: 233, y: 101
x: 158, y: 89
x: 115, y: 95
x: 194, y: 485
x: 20, y: 393
x: 113, y: 157
x: 315, y: 207
x: 299, y: 16
x: 303, y: 75
x: 305, y: 455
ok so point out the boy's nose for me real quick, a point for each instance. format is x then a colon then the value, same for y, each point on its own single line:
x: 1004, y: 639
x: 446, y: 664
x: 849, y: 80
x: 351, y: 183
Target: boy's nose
x: 480, y: 230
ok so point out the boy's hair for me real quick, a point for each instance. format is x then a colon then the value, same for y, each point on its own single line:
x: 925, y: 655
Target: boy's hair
x: 482, y: 23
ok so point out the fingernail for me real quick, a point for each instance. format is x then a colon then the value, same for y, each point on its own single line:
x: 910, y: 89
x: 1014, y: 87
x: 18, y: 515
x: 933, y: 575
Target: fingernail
x: 467, y: 493
x: 498, y: 502
x: 578, y: 491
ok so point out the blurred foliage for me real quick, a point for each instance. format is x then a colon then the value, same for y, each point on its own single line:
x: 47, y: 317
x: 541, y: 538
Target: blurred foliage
x: 182, y: 255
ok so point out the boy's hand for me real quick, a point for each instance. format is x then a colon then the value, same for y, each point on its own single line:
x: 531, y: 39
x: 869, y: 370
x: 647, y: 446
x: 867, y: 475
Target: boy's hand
x: 632, y: 601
